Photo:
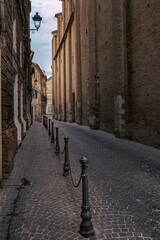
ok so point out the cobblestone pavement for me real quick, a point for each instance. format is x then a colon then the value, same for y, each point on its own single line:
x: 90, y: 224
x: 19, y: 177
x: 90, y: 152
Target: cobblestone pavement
x: 37, y: 202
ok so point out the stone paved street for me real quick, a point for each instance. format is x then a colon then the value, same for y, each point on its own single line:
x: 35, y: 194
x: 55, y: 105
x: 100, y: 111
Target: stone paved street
x: 37, y: 202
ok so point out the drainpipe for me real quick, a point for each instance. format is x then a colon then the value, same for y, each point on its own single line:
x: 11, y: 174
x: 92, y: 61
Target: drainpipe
x: 0, y: 120
x: 64, y: 69
x: 1, y: 45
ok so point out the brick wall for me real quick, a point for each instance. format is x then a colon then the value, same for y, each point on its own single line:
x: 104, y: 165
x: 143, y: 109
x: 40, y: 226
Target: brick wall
x: 9, y: 138
x: 105, y: 62
x: 76, y: 60
x: 84, y: 55
x: 13, y: 62
x: 144, y: 71
x: 112, y: 67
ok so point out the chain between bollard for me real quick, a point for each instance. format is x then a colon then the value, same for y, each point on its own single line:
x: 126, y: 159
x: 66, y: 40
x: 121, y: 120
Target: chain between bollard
x: 76, y: 185
x: 63, y: 150
x: 86, y: 226
x: 66, y: 168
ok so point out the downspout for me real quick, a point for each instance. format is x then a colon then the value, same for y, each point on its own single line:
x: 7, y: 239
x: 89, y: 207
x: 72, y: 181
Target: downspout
x: 1, y: 45
x: 0, y: 117
x: 64, y: 74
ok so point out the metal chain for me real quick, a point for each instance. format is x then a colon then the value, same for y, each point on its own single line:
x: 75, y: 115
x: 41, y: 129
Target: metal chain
x: 63, y: 150
x: 76, y: 185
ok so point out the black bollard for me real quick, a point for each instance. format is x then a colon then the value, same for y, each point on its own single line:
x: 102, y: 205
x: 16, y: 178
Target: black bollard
x: 66, y: 167
x: 49, y: 127
x: 57, y: 148
x: 43, y: 120
x: 46, y: 123
x: 52, y: 133
x: 86, y: 227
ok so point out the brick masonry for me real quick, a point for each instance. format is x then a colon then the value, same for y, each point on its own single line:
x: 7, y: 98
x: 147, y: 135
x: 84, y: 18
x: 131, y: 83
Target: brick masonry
x: 112, y: 67
x: 144, y: 71
x: 15, y: 48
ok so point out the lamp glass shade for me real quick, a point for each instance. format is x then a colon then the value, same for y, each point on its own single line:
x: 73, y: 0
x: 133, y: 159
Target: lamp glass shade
x: 37, y: 20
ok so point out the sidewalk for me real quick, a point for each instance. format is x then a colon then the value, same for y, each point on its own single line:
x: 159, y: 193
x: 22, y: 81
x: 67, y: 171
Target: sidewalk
x: 37, y: 202
x: 42, y: 205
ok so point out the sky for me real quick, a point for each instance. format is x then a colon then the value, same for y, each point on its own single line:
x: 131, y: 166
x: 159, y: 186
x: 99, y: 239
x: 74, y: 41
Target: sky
x: 41, y: 40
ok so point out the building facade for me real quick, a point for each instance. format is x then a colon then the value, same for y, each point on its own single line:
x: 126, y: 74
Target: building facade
x: 49, y: 96
x: 15, y: 79
x: 39, y: 99
x: 105, y: 61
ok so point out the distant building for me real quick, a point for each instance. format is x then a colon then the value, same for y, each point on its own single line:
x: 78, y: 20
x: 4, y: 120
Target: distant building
x: 39, y: 99
x: 15, y: 79
x: 49, y: 108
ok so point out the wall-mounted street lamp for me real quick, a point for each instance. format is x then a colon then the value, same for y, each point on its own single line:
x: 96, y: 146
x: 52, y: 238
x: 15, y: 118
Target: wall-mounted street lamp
x: 37, y: 22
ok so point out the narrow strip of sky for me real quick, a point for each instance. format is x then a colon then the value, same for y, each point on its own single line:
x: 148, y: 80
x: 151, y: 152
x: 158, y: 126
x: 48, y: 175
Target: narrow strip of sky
x: 41, y: 40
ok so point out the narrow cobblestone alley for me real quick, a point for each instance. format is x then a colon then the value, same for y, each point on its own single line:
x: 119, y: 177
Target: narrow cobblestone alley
x: 37, y: 202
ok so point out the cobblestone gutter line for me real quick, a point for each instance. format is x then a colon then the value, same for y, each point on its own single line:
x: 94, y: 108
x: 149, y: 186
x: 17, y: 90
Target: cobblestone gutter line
x: 13, y: 213
x: 8, y: 198
x: 9, y: 195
